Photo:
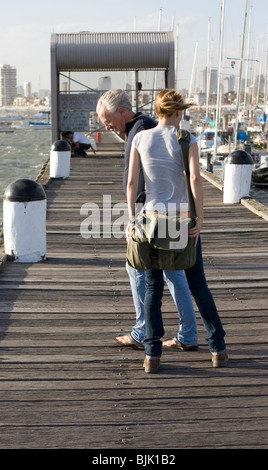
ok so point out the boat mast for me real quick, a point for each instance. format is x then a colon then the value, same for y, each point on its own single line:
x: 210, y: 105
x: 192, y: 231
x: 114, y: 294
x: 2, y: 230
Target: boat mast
x: 254, y: 81
x: 246, y: 93
x: 266, y: 83
x: 258, y: 85
x: 208, y: 70
x: 219, y: 80
x: 155, y: 72
x: 240, y: 79
x: 177, y: 58
x: 133, y: 93
x: 193, y: 71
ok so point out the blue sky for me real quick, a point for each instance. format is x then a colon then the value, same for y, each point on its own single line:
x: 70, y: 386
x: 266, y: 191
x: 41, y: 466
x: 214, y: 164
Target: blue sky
x: 26, y: 28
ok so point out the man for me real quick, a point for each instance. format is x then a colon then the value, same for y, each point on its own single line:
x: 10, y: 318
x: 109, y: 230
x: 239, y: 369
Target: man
x: 78, y: 141
x: 115, y: 111
x: 123, y: 120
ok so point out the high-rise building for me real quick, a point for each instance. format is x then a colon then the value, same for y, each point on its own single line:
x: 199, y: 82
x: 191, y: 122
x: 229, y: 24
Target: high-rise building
x: 259, y: 83
x: 27, y: 90
x: 232, y: 83
x: 228, y: 83
x: 213, y: 80
x: 104, y: 83
x: 8, y: 84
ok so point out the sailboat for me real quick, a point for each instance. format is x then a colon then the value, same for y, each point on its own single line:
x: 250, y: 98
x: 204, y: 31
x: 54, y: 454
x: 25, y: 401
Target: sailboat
x: 6, y: 126
x: 259, y: 175
x: 41, y: 124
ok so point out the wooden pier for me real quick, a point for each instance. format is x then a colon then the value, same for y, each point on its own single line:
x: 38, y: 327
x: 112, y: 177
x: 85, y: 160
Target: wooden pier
x: 64, y: 383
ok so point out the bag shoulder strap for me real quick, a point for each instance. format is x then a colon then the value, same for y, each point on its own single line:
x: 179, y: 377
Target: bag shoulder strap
x: 183, y: 137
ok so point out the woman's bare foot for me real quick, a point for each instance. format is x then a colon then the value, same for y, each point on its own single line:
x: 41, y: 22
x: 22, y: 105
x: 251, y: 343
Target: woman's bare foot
x: 128, y: 340
x: 169, y: 343
x: 175, y: 343
x: 125, y: 340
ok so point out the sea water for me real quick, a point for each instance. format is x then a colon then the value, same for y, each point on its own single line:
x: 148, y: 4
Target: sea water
x: 22, y: 155
x: 24, y: 152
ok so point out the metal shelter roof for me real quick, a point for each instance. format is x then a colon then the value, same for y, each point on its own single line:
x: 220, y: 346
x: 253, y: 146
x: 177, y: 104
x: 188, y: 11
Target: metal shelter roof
x: 113, y: 51
x: 86, y: 51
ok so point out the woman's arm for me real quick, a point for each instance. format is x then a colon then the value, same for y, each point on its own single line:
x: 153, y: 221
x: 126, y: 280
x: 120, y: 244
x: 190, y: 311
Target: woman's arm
x: 133, y: 180
x: 197, y: 189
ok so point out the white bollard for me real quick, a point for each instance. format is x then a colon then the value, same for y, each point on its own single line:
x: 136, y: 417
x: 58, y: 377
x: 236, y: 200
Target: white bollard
x: 237, y: 176
x: 24, y: 221
x: 60, y: 159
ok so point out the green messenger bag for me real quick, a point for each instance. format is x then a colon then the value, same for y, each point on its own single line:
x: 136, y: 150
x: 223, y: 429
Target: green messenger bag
x: 159, y: 241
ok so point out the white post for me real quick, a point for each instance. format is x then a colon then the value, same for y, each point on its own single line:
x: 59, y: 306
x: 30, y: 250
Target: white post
x: 24, y: 221
x: 237, y: 176
x: 60, y: 159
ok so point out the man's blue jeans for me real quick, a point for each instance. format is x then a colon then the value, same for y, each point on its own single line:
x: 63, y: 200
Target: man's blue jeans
x: 205, y: 303
x: 199, y: 290
x: 154, y: 329
x: 180, y: 292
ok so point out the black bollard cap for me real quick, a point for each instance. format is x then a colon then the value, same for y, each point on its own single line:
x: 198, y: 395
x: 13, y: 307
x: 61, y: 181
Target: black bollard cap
x: 24, y: 190
x: 61, y: 146
x: 239, y: 157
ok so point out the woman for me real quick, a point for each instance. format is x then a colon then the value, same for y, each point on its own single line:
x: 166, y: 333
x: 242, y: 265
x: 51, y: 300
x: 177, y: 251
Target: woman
x: 159, y: 154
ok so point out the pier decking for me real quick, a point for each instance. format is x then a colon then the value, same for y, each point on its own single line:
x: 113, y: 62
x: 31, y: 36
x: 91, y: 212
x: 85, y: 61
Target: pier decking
x: 65, y: 384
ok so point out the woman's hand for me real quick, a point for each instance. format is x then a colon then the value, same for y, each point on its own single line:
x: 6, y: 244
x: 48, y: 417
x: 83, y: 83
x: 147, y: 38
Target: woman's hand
x: 127, y: 231
x: 194, y: 232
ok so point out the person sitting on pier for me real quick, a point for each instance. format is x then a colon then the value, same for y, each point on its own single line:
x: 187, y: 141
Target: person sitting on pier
x: 115, y: 111
x: 78, y: 141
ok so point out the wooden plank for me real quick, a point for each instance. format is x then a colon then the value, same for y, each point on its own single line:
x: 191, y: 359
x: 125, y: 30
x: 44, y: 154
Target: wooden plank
x: 63, y: 381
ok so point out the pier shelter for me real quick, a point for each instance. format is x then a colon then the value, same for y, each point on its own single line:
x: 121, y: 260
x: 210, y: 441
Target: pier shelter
x: 89, y: 52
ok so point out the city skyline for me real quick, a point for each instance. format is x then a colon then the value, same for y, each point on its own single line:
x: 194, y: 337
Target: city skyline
x: 20, y: 95
x: 28, y: 27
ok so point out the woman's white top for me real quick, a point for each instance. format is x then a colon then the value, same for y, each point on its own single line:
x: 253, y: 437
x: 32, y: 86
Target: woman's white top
x: 163, y: 168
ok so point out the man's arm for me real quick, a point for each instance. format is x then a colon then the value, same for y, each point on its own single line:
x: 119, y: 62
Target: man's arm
x: 133, y: 180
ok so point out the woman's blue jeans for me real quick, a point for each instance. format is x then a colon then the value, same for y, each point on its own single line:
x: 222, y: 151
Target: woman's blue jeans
x: 179, y: 289
x: 199, y: 290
